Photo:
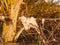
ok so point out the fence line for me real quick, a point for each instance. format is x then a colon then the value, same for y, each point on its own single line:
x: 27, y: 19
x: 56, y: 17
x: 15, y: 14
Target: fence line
x: 3, y: 17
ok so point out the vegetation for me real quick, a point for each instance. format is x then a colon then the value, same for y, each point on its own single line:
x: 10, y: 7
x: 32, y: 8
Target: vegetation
x: 11, y: 25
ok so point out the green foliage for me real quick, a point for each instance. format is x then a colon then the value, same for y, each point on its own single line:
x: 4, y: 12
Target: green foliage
x: 36, y: 42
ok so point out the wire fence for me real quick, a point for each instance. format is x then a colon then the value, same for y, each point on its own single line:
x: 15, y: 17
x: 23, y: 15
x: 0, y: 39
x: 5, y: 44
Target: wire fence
x: 50, y: 30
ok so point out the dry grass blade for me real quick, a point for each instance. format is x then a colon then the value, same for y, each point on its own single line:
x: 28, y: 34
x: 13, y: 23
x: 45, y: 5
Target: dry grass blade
x: 18, y: 34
